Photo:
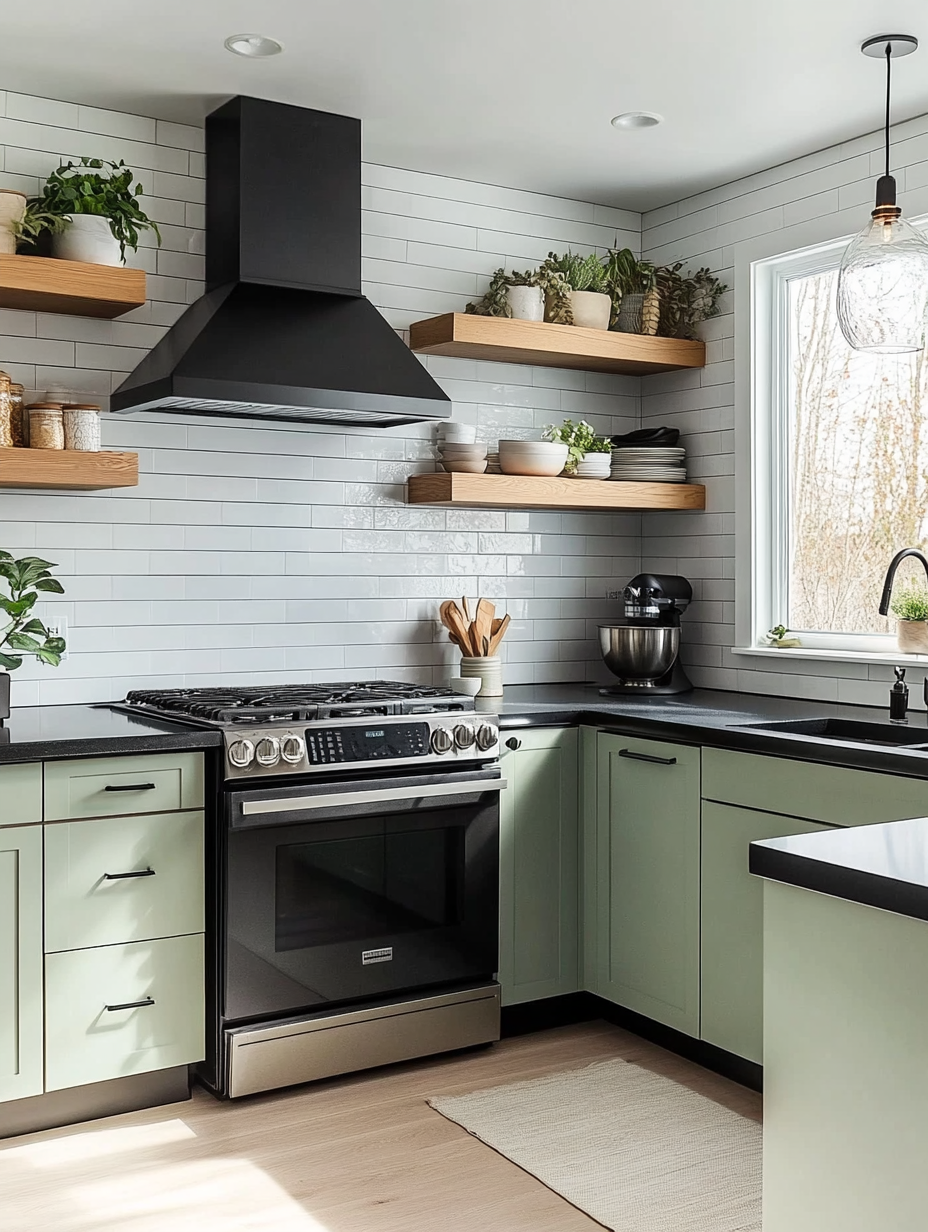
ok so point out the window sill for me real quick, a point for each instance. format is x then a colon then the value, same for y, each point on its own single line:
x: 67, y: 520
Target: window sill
x: 891, y: 658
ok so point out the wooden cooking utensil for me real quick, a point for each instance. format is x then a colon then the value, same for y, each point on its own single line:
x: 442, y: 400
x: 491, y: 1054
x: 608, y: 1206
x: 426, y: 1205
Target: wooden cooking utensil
x: 466, y: 609
x: 483, y: 622
x: 457, y: 624
x: 499, y: 630
x: 443, y: 613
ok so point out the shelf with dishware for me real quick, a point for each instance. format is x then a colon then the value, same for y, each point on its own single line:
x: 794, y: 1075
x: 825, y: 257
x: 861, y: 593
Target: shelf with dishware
x: 478, y: 491
x: 68, y: 468
x: 43, y: 284
x: 553, y: 346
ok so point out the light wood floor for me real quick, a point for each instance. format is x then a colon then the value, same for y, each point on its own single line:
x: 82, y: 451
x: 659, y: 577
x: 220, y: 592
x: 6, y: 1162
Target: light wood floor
x: 358, y: 1154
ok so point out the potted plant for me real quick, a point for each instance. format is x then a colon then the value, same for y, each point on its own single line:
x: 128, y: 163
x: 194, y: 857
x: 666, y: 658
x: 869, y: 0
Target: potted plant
x: 12, y: 208
x: 581, y: 281
x: 632, y: 286
x: 24, y: 634
x: 512, y: 295
x: 588, y: 455
x: 34, y: 225
x: 686, y: 300
x: 100, y: 208
x: 910, y: 607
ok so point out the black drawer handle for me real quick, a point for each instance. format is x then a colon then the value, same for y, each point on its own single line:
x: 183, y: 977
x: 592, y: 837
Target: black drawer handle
x: 141, y: 872
x: 129, y: 787
x: 513, y: 743
x: 130, y: 1005
x: 657, y: 761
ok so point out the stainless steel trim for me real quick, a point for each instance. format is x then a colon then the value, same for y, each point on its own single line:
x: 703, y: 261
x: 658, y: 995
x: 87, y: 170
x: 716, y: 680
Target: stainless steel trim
x: 304, y: 1050
x: 380, y: 796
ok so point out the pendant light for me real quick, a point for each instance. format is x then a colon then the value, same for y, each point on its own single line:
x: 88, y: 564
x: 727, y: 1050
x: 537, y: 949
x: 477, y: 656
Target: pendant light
x: 883, y: 280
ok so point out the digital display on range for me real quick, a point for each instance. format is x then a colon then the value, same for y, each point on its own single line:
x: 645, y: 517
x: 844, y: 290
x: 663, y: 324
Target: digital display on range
x: 332, y: 745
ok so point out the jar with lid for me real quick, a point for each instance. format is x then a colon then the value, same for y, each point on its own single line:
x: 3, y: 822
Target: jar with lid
x: 46, y: 426
x: 19, y: 420
x: 6, y: 412
x: 82, y: 427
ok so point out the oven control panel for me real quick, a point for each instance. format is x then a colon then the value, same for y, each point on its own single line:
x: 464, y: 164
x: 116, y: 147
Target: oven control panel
x: 368, y: 742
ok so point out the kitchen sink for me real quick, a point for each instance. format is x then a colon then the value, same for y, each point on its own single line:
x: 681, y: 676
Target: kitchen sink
x: 851, y: 730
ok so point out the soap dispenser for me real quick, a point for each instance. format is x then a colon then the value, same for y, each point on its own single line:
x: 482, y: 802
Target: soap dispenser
x: 899, y: 698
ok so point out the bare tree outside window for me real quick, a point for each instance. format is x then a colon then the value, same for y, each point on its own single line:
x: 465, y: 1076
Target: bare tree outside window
x: 858, y: 452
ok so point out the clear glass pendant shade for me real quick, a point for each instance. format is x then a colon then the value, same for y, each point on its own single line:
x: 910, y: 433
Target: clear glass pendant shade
x: 883, y: 288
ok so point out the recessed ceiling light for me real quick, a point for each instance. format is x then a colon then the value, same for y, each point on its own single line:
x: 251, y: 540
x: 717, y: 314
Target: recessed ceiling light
x: 253, y: 45
x: 637, y: 119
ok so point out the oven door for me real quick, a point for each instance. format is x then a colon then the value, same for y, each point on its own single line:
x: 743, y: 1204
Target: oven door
x: 344, y: 891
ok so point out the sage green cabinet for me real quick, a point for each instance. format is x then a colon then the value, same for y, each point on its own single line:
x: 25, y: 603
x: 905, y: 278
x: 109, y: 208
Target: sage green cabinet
x: 21, y: 1065
x: 732, y: 1012
x: 113, y: 786
x: 647, y: 863
x: 539, y: 946
x: 20, y: 795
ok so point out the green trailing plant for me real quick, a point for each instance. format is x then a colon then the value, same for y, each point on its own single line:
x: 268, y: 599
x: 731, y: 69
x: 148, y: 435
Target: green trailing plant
x: 35, y: 223
x: 779, y: 637
x: 910, y: 603
x: 527, y: 278
x: 95, y: 186
x: 495, y: 301
x: 686, y: 299
x: 580, y: 439
x: 24, y: 635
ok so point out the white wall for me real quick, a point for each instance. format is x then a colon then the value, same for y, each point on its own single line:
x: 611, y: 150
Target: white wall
x: 264, y: 553
x: 824, y: 196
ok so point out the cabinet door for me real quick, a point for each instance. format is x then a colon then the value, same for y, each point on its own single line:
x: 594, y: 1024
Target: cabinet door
x: 648, y: 878
x: 21, y: 962
x: 20, y: 794
x: 733, y: 925
x: 538, y: 865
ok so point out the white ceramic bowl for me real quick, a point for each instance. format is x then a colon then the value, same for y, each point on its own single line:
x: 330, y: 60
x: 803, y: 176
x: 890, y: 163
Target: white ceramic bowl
x: 467, y: 466
x: 457, y: 432
x: 466, y: 685
x: 463, y: 451
x: 543, y: 458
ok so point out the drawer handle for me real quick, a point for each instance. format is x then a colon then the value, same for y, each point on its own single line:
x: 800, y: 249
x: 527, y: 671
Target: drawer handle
x: 129, y: 787
x: 657, y: 761
x: 130, y: 1005
x: 141, y: 872
x: 513, y: 743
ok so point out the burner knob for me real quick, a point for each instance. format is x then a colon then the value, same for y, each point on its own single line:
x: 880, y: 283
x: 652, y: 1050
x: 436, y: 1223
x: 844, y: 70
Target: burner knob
x: 441, y: 740
x: 292, y: 750
x: 241, y: 753
x: 487, y: 736
x: 267, y: 751
x: 464, y: 736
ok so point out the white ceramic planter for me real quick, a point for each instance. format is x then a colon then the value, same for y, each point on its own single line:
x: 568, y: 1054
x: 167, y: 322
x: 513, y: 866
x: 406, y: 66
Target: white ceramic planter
x: 87, y: 237
x: 12, y: 208
x: 526, y: 303
x: 594, y: 466
x: 591, y: 309
x: 912, y: 636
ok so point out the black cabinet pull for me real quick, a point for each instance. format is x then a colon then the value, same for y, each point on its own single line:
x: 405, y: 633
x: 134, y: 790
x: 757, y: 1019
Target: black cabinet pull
x: 142, y: 872
x: 129, y: 787
x: 658, y: 761
x: 513, y: 743
x: 130, y: 1005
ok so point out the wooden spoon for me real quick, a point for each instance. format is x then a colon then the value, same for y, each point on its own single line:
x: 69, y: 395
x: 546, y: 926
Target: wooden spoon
x: 483, y: 624
x: 457, y: 624
x: 499, y: 629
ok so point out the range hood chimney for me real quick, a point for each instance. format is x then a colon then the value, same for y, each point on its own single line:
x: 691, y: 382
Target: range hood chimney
x: 283, y: 331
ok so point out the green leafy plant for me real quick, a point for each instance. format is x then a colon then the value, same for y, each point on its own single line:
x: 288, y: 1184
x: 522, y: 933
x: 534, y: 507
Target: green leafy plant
x: 25, y: 635
x: 686, y: 299
x: 910, y: 603
x: 625, y: 275
x: 93, y: 186
x: 495, y: 301
x: 778, y: 637
x: 580, y: 273
x: 580, y: 439
x: 36, y: 222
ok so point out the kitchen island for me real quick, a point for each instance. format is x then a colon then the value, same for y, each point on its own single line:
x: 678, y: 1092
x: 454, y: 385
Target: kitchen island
x: 845, y: 1034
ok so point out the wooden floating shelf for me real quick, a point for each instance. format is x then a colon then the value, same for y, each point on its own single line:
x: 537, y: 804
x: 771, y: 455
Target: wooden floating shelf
x: 529, y: 492
x: 67, y: 468
x: 552, y: 346
x: 41, y: 284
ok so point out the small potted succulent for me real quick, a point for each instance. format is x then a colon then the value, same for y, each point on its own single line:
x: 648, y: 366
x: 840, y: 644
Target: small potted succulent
x: 24, y: 634
x: 516, y: 295
x: 575, y: 290
x: 910, y: 607
x: 588, y: 455
x: 100, y: 210
x: 632, y: 286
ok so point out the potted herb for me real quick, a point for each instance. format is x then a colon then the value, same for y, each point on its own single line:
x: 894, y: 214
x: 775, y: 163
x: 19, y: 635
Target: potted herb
x: 779, y: 638
x: 100, y: 208
x: 588, y: 455
x: 512, y: 295
x: 632, y: 286
x: 910, y: 607
x: 24, y: 634
x: 582, y: 281
x: 686, y: 299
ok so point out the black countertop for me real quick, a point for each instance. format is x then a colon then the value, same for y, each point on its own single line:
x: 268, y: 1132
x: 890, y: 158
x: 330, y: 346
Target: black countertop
x: 39, y: 733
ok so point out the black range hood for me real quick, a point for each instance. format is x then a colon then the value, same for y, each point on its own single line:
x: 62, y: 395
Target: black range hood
x: 283, y: 331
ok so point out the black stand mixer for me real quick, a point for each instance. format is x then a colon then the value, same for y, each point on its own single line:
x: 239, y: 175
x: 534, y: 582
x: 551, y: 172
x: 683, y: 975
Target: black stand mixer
x: 644, y: 650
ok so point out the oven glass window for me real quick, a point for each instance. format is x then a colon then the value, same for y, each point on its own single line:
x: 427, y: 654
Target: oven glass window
x: 361, y: 888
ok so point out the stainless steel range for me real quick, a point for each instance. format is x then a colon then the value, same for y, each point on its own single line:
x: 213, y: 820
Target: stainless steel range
x: 354, y: 877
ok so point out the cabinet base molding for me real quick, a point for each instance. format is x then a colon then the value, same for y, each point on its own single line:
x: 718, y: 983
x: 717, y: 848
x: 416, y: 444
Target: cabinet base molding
x: 98, y: 1099
x: 547, y: 1013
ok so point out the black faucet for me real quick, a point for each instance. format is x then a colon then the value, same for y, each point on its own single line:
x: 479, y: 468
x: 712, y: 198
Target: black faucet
x: 891, y: 574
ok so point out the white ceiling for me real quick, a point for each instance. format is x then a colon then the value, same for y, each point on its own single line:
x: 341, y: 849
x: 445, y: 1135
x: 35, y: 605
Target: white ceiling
x: 513, y: 92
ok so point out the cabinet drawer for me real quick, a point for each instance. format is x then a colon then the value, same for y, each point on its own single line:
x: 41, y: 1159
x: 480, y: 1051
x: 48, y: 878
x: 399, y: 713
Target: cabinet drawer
x: 108, y: 786
x: 20, y: 794
x: 91, y: 900
x: 86, y: 1042
x: 831, y: 794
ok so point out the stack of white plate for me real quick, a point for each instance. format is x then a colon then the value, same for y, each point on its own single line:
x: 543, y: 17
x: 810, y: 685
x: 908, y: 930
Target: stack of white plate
x: 649, y: 464
x: 493, y: 466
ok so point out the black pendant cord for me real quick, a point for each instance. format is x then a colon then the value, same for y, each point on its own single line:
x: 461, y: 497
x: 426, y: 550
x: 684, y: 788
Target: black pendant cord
x: 889, y: 61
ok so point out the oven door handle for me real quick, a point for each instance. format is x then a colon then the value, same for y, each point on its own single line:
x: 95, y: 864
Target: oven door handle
x: 382, y: 796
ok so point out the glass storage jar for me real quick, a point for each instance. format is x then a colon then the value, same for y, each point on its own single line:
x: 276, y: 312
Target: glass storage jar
x: 82, y: 427
x: 46, y: 426
x: 19, y: 425
x: 6, y: 412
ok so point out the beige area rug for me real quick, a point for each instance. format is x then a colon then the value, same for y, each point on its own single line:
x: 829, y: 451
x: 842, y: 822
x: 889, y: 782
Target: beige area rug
x: 634, y: 1150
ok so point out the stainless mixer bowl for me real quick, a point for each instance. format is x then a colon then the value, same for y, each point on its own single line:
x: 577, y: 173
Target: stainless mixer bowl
x: 639, y: 652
